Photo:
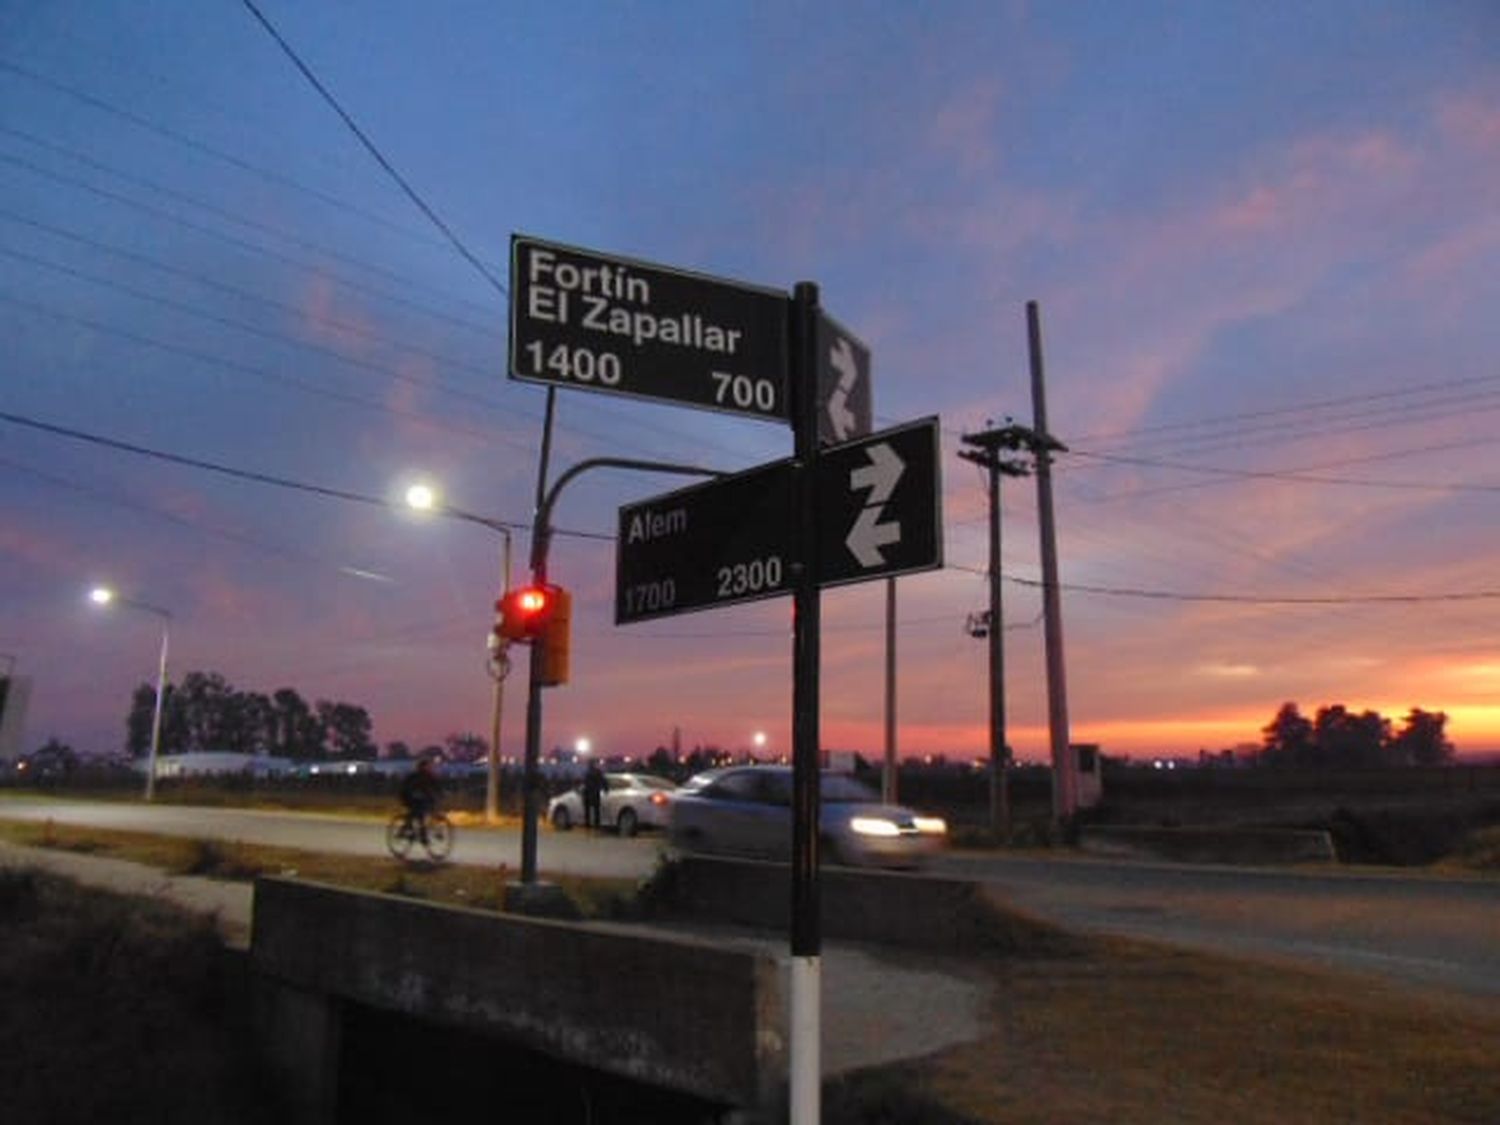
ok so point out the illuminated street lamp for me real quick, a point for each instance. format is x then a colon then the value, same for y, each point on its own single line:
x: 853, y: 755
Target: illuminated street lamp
x: 584, y: 747
x: 424, y: 497
x: 104, y: 596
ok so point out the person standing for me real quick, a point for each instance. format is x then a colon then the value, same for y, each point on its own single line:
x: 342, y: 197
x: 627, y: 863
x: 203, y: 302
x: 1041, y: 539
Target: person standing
x: 593, y: 795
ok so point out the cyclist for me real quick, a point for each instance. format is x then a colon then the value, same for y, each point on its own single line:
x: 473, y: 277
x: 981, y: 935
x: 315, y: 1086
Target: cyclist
x: 419, y: 794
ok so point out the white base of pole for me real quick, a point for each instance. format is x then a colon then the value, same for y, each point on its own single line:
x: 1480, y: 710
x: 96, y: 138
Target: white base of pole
x: 806, y: 1041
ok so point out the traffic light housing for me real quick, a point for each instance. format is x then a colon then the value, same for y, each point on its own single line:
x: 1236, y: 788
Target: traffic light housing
x: 554, y: 640
x: 541, y: 614
x: 524, y: 611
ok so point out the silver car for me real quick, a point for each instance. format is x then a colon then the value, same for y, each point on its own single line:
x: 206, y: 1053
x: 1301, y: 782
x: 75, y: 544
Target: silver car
x: 630, y: 802
x: 747, y: 811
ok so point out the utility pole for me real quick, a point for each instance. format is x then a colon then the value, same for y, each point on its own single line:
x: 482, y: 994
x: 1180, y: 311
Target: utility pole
x: 987, y: 454
x: 1064, y: 769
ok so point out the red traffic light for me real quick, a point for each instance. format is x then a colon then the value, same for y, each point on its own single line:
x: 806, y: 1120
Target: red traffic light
x: 524, y: 612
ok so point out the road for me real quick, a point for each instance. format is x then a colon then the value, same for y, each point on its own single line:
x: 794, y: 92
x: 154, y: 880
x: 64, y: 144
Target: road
x: 1416, y: 929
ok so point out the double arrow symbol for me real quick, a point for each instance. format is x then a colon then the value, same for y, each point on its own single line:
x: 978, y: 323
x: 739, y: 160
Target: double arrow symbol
x: 841, y: 418
x: 868, y: 534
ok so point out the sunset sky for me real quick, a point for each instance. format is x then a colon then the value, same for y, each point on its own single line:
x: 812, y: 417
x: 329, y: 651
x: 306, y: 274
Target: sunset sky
x: 1265, y: 240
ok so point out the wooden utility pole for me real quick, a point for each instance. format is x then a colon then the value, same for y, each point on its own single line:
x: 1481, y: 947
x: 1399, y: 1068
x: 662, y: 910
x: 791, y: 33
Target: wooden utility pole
x: 1064, y: 770
x: 987, y: 453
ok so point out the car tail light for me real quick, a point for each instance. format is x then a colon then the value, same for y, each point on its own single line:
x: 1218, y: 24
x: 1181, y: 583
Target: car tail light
x: 658, y: 798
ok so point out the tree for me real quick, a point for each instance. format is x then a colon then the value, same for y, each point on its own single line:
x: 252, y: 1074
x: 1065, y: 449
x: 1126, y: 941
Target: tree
x: 348, y: 729
x: 397, y: 751
x: 1345, y: 739
x: 1288, y: 738
x: 298, y: 733
x: 1422, y: 741
x: 206, y: 710
x: 465, y: 748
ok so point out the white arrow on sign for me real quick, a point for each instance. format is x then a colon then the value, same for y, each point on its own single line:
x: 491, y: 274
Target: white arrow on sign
x: 841, y: 357
x: 868, y: 534
x: 880, y: 475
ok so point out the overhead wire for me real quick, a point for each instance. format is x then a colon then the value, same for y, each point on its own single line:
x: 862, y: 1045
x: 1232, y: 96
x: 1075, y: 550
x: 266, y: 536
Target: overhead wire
x: 250, y: 475
x: 370, y: 147
x: 238, y: 218
x: 83, y: 97
x: 246, y: 245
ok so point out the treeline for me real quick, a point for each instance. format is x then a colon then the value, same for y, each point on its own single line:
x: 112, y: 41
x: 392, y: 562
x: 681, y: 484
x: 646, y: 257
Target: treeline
x: 1336, y: 736
x: 206, y: 712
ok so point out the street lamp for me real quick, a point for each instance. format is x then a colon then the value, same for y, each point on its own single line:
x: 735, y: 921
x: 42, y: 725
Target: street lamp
x: 104, y: 596
x: 424, y: 497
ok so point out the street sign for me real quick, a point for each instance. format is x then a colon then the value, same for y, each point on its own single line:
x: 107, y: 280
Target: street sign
x: 880, y: 505
x: 844, y: 392
x: 734, y: 540
x: 727, y: 541
x: 605, y: 323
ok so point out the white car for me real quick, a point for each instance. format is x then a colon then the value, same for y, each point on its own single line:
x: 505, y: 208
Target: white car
x: 747, y: 811
x: 631, y: 801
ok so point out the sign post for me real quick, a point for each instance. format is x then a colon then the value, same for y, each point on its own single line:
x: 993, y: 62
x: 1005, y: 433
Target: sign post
x: 807, y: 931
x: 866, y: 506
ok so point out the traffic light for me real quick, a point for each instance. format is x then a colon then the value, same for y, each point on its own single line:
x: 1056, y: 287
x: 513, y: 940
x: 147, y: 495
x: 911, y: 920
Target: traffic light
x: 524, y: 612
x: 541, y: 614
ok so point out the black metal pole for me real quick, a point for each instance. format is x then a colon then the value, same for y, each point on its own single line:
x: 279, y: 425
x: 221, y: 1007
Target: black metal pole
x: 806, y: 936
x: 530, y: 772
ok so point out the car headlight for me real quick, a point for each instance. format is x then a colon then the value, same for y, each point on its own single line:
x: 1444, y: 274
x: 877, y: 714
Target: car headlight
x: 934, y: 825
x: 874, y: 826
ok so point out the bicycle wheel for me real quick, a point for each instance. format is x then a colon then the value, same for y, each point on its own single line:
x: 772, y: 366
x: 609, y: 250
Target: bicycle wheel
x: 399, y: 835
x: 439, y: 836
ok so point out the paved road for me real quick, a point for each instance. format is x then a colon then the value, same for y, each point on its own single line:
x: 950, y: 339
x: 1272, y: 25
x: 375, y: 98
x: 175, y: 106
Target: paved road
x: 1429, y: 931
x: 1407, y: 927
x: 574, y: 852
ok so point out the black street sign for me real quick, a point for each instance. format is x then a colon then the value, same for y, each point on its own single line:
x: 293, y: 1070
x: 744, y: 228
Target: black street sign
x: 844, y: 392
x: 605, y: 323
x: 880, y: 505
x: 713, y: 544
x: 733, y: 539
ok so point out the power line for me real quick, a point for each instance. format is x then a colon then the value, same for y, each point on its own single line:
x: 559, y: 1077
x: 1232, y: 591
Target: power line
x: 302, y: 558
x: 157, y: 188
x: 251, y: 475
x: 186, y: 141
x: 249, y: 369
x: 254, y: 330
x: 1303, y: 477
x: 400, y: 180
x: 1244, y: 599
x: 353, y: 328
x: 243, y: 244
x: 1281, y: 411
x: 1251, y: 599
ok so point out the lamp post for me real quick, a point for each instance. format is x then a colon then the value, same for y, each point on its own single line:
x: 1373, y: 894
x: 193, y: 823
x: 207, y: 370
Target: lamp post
x: 103, y: 596
x: 424, y: 498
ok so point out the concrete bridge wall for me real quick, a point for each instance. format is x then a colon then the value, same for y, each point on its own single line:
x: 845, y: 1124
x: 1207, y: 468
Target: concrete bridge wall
x: 669, y: 1011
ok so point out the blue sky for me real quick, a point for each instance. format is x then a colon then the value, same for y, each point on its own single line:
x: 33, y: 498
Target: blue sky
x: 1264, y: 240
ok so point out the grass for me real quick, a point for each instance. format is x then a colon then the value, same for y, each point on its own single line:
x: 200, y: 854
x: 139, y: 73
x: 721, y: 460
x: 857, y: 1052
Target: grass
x: 449, y: 883
x: 119, y: 1009
x: 1135, y: 1034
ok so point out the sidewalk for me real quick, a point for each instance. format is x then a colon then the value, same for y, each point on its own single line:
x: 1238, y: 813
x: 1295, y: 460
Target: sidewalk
x: 877, y: 1007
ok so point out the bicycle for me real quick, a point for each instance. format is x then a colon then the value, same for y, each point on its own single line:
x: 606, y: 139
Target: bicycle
x: 403, y: 832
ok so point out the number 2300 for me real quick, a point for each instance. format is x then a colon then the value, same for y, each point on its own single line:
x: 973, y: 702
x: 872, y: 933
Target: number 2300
x: 750, y: 578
